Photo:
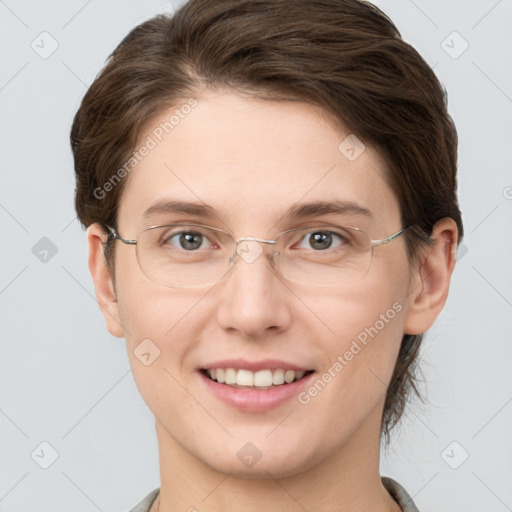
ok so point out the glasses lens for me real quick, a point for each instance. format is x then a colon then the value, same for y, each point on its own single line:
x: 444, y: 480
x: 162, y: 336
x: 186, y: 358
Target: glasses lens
x: 325, y: 255
x: 184, y: 255
x: 191, y: 255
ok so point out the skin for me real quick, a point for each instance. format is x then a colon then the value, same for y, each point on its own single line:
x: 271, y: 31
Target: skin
x: 251, y: 159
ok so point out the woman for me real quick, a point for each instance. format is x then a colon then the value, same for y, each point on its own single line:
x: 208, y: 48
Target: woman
x: 269, y: 189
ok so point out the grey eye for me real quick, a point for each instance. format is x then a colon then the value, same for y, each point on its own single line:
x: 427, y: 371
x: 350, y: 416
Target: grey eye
x: 322, y: 240
x: 188, y: 240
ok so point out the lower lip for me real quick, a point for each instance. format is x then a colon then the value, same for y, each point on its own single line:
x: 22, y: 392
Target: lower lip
x: 256, y: 400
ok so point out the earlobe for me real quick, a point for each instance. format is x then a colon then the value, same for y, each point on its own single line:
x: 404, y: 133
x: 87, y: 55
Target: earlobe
x: 103, y: 283
x: 430, y: 284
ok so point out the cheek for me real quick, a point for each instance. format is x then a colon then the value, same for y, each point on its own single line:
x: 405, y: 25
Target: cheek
x: 161, y: 327
x: 169, y: 318
x: 161, y: 330
x: 147, y: 309
x: 359, y: 358
x: 360, y: 333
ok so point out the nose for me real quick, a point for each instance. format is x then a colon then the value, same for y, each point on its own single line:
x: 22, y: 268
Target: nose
x: 254, y: 297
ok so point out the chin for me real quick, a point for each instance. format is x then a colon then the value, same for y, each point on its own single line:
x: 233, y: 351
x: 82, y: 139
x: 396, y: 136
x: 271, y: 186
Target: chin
x: 262, y: 470
x: 260, y: 460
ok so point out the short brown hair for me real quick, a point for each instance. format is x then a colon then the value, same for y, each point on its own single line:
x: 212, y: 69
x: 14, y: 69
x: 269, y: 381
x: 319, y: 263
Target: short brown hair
x: 343, y: 55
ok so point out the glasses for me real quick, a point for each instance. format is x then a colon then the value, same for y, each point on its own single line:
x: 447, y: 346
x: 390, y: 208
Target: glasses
x: 194, y: 255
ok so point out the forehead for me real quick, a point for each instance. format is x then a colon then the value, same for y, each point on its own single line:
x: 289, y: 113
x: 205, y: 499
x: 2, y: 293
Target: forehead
x: 251, y: 160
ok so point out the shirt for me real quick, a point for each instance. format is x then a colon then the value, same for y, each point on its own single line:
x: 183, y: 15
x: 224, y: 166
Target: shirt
x: 398, y: 493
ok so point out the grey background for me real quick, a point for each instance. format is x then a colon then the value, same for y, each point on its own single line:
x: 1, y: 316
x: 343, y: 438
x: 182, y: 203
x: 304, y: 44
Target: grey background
x: 65, y: 381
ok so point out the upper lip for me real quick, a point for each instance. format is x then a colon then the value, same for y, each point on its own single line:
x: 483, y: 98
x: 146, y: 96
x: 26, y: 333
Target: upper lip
x: 264, y: 364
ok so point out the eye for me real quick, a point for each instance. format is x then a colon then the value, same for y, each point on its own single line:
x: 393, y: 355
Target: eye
x: 322, y: 240
x: 187, y: 240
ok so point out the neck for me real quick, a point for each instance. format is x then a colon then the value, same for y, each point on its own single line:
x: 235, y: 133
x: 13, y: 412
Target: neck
x: 347, y: 480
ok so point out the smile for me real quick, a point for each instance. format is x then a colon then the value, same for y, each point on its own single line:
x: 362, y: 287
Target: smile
x: 262, y: 379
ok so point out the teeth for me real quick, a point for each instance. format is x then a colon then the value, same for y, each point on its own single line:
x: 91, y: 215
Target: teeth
x: 231, y: 376
x: 263, y: 378
x: 244, y: 378
x: 260, y: 379
x: 289, y: 376
x: 278, y: 377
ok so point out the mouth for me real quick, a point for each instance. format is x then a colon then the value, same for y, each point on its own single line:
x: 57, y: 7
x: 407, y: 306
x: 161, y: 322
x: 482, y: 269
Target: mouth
x: 264, y: 379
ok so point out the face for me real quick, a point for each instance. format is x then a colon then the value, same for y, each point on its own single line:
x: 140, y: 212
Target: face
x: 251, y: 161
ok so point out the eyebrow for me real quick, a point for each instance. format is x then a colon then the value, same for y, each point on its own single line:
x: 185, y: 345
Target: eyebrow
x: 297, y: 211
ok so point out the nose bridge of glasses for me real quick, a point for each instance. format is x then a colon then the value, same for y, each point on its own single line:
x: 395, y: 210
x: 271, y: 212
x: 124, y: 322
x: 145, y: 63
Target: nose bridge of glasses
x: 248, y: 251
x: 252, y: 239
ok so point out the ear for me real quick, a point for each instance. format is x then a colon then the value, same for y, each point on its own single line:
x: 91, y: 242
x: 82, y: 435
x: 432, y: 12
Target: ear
x: 431, y: 280
x: 103, y: 282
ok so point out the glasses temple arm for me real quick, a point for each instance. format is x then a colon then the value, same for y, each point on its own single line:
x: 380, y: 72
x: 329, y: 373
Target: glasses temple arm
x: 113, y: 234
x: 390, y: 238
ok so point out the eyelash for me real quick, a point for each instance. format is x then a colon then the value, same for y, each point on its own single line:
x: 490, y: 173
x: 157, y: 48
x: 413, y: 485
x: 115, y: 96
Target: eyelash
x: 344, y: 240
